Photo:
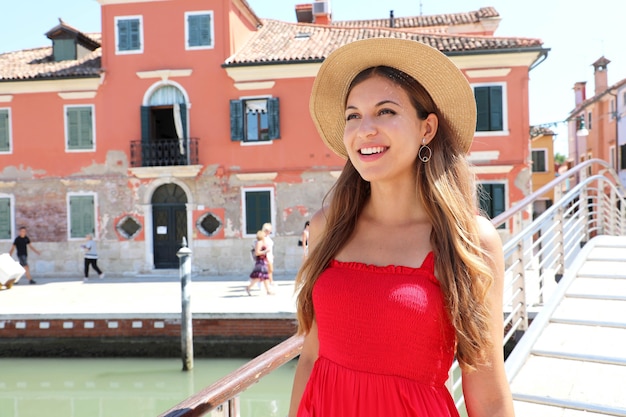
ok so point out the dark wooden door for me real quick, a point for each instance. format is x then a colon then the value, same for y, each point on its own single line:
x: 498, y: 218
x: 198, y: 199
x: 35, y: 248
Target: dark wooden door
x: 169, y: 224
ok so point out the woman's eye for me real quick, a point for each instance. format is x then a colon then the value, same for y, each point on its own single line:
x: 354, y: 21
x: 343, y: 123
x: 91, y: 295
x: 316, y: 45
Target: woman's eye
x: 386, y: 111
x: 352, y: 116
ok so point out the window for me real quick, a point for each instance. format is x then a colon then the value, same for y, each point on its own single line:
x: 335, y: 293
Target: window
x: 5, y: 130
x: 612, y: 109
x: 6, y: 220
x: 64, y: 49
x: 129, y: 35
x: 622, y: 156
x: 490, y: 108
x: 254, y: 120
x: 79, y: 129
x: 199, y: 30
x: 612, y: 156
x: 257, y: 209
x: 82, y: 215
x: 492, y: 199
x: 624, y: 98
x: 589, y: 121
x: 539, y: 157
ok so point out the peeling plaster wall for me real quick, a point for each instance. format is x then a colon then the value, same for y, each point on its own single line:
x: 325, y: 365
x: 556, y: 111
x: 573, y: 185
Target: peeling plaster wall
x: 41, y: 206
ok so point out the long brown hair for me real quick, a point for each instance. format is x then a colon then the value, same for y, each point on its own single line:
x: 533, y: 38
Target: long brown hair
x: 447, y: 191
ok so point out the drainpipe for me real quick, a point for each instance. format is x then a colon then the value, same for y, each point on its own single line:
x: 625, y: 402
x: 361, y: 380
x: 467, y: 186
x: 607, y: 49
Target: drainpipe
x: 616, y: 114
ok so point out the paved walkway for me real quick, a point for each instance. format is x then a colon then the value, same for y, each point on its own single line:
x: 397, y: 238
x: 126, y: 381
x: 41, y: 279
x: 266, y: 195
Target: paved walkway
x: 146, y: 296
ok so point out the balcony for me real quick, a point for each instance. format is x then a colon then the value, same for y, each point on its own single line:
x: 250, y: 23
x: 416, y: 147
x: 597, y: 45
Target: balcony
x: 164, y: 152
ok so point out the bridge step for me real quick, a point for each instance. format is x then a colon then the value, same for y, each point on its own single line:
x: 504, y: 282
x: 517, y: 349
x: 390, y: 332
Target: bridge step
x: 603, y: 269
x: 570, y: 384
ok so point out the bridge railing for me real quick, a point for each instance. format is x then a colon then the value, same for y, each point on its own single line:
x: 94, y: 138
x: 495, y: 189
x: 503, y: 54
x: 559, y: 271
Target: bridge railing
x: 537, y: 252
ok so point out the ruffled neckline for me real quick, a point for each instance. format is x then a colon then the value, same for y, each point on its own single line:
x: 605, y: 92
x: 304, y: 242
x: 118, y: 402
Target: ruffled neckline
x: 427, y: 267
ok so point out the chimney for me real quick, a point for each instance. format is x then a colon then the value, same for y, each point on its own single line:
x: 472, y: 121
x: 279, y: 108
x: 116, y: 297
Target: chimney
x: 321, y: 12
x: 580, y: 92
x: 601, y: 78
x: 304, y: 13
x: 391, y: 20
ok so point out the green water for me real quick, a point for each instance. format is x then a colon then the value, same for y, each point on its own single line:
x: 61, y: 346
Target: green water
x: 126, y: 387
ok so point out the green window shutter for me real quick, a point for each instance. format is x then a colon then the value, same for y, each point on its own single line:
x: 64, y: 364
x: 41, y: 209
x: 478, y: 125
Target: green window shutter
x: 236, y: 120
x: 183, y: 118
x: 86, y: 128
x: 82, y: 216
x: 64, y: 49
x: 5, y: 218
x: 5, y: 143
x: 128, y: 35
x: 258, y: 210
x: 481, y: 94
x: 274, y: 119
x: 79, y: 128
x: 199, y: 27
x: 73, y: 128
x: 145, y: 124
x: 495, y: 108
x: 123, y: 35
x: 498, y: 199
x: 539, y: 161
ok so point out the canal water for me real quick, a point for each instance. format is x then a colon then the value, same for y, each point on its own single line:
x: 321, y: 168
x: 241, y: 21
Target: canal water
x: 128, y: 387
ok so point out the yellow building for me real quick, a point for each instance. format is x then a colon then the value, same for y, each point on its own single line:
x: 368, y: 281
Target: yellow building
x: 543, y: 169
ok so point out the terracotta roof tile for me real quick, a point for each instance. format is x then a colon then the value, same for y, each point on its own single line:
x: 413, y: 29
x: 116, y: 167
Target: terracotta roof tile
x: 282, y: 42
x: 539, y: 130
x: 439, y: 21
x: 37, y: 63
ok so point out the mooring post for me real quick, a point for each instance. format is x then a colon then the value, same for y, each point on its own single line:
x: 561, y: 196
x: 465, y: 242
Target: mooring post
x: 186, y: 326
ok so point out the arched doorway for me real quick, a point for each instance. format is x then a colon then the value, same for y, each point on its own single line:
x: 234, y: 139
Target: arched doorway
x: 169, y: 224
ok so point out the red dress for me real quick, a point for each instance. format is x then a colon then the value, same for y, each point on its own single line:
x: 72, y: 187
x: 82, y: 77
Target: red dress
x: 385, y: 343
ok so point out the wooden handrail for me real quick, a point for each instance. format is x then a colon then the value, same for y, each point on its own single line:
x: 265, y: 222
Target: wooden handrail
x: 236, y: 382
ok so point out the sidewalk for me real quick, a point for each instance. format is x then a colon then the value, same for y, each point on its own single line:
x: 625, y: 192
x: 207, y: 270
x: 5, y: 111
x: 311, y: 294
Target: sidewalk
x: 145, y: 296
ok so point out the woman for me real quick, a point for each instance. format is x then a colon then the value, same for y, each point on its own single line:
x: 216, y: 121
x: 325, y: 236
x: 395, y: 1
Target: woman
x: 402, y: 275
x: 260, y: 271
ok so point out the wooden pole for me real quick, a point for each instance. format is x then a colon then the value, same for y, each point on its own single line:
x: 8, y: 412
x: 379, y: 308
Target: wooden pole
x: 186, y: 330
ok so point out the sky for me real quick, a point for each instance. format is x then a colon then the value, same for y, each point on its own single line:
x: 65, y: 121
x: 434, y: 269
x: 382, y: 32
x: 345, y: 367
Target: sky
x: 577, y: 33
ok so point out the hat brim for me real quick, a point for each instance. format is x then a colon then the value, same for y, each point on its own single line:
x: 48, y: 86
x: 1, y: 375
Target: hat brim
x: 445, y: 83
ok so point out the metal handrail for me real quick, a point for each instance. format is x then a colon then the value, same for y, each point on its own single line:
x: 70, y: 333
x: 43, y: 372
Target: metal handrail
x: 164, y: 152
x: 225, y: 391
x: 563, y: 228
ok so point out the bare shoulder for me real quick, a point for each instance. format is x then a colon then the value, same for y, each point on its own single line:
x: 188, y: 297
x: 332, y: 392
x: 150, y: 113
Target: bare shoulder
x: 317, y: 226
x: 489, y: 236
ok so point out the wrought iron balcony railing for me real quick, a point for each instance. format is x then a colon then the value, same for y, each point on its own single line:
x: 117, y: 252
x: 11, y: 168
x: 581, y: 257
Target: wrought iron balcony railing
x: 164, y: 152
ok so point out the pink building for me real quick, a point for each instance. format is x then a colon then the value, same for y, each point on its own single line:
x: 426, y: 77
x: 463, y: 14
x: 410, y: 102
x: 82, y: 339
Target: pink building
x: 190, y: 119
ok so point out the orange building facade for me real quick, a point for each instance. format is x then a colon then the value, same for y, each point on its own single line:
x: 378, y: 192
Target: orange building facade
x: 189, y: 119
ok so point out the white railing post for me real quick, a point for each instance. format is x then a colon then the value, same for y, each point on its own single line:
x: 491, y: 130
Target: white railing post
x: 583, y: 206
x: 559, y: 219
x: 519, y: 284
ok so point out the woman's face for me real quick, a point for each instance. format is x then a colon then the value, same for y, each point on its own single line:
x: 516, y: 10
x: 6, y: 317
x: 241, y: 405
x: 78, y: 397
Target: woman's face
x: 383, y: 133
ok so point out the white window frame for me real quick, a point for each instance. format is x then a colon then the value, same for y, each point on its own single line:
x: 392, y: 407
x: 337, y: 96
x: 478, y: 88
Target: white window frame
x: 244, y: 141
x: 196, y: 13
x: 505, y: 110
x: 10, y: 151
x: 115, y: 30
x: 244, y: 190
x: 11, y: 198
x: 545, y: 152
x: 68, y: 210
x: 93, y: 128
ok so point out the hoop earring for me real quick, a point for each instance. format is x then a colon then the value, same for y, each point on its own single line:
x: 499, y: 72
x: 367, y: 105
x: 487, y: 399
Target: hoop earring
x: 425, y: 153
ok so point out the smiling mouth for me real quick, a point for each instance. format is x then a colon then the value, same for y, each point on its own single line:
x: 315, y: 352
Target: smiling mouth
x: 373, y: 150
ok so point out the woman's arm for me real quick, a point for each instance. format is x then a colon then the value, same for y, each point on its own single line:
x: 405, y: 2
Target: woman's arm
x: 486, y: 390
x: 257, y: 248
x: 308, y: 356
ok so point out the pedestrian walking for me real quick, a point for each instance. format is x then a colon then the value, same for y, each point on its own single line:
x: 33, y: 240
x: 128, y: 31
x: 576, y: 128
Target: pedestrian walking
x: 260, y: 272
x: 22, y: 243
x: 91, y: 256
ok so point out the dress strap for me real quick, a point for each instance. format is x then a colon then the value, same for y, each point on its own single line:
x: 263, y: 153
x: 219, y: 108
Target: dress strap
x: 429, y: 262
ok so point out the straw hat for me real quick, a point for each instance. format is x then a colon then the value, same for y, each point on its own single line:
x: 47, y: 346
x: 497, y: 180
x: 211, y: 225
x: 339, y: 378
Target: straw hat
x: 445, y: 83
